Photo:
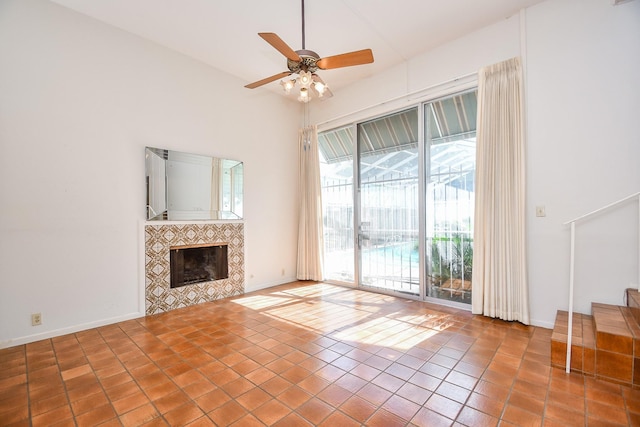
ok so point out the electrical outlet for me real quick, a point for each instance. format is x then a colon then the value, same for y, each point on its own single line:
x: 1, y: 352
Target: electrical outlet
x: 540, y: 211
x: 36, y: 319
x: 283, y: 271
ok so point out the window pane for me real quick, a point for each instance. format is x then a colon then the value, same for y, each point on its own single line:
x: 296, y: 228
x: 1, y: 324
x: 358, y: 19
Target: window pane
x: 388, y: 166
x: 336, y: 175
x: 450, y: 197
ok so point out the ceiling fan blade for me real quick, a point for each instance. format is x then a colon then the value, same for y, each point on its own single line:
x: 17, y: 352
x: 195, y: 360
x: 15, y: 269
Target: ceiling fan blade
x: 358, y: 57
x: 268, y: 80
x: 282, y: 47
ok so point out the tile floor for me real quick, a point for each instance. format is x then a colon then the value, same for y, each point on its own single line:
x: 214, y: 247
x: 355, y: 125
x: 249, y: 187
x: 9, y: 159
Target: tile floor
x: 299, y: 355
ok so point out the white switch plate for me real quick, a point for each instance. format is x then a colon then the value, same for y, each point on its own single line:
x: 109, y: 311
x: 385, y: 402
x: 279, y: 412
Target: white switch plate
x: 540, y: 211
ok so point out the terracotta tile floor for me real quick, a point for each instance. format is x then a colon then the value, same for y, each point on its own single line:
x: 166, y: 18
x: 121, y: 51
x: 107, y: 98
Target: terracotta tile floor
x: 299, y: 355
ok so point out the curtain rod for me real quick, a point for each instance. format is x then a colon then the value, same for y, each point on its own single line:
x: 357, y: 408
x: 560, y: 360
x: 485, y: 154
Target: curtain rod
x: 453, y: 80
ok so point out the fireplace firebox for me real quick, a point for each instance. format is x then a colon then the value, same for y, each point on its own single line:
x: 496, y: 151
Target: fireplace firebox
x: 198, y: 263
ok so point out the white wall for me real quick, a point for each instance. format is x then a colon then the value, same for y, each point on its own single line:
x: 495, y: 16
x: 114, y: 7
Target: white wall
x: 583, y: 63
x: 583, y: 100
x: 79, y: 101
x: 458, y: 58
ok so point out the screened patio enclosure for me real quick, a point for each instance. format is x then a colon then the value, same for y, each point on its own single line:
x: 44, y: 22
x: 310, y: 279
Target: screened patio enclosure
x: 374, y: 232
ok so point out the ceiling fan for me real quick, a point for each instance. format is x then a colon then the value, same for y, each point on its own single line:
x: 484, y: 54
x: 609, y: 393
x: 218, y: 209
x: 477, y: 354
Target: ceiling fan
x: 305, y: 63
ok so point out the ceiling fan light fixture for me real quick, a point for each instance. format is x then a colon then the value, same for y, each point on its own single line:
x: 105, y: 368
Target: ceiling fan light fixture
x: 305, y: 79
x: 310, y: 85
x: 287, y: 85
x: 304, y: 95
x: 319, y: 87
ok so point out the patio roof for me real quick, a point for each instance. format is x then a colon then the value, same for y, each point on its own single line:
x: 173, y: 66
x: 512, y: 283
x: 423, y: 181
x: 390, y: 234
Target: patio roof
x: 451, y: 119
x: 389, y: 145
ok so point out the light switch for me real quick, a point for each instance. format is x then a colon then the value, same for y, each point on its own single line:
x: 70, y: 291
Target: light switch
x: 540, y: 211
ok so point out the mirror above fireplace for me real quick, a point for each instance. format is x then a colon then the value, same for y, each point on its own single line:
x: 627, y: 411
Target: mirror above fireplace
x: 192, y: 187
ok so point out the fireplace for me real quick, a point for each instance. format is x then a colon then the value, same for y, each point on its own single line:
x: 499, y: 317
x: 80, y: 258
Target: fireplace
x: 191, y: 264
x: 160, y: 238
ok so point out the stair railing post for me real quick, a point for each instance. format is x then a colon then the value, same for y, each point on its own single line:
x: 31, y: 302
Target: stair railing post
x: 570, y: 324
x: 571, y: 272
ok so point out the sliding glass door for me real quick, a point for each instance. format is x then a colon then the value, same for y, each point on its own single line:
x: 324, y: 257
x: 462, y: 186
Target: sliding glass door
x: 406, y: 226
x: 388, y: 234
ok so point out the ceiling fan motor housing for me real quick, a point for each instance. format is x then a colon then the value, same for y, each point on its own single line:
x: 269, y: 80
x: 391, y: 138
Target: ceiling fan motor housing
x: 307, y: 62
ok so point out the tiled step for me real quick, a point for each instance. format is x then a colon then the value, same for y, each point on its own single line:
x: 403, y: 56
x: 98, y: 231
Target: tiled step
x: 633, y: 298
x: 616, y: 335
x: 583, y: 343
x: 605, y: 345
x: 633, y: 302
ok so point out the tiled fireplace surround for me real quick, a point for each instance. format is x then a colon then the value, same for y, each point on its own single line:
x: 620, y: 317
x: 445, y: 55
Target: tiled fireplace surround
x: 159, y: 296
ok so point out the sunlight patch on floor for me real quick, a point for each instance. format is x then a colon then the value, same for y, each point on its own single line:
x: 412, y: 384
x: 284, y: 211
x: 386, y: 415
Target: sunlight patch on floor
x: 260, y: 302
x: 350, y: 315
x: 319, y: 317
x: 385, y: 332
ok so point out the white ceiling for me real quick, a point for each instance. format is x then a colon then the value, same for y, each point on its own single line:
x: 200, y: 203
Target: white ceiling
x: 224, y: 35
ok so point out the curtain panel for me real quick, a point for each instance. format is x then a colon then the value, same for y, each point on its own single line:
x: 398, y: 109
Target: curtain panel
x: 499, y: 282
x: 310, y: 230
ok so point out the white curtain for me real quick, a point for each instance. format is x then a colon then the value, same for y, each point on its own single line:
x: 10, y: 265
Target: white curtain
x: 310, y: 240
x: 500, y: 286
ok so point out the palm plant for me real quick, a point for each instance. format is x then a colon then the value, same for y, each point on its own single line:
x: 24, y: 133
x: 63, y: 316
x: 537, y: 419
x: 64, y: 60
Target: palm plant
x: 451, y: 257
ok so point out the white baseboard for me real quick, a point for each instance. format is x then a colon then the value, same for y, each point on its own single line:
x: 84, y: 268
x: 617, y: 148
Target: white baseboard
x: 69, y: 330
x: 266, y: 285
x: 82, y: 327
x: 541, y: 323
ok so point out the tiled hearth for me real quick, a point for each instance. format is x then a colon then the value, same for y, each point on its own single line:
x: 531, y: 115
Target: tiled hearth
x: 160, y: 297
